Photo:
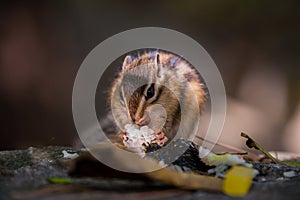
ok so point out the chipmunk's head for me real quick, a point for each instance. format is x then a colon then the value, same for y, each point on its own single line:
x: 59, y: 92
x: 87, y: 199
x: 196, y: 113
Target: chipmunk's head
x: 145, y: 93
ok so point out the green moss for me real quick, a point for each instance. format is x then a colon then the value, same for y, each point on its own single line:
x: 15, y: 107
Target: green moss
x: 13, y: 160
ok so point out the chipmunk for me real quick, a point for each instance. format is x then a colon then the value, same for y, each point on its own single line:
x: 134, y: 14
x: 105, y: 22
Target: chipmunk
x: 154, y: 89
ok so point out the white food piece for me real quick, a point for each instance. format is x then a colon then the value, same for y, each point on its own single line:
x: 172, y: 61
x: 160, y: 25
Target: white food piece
x: 162, y: 163
x: 222, y: 162
x: 136, y: 138
x: 212, y: 159
x: 70, y: 155
x: 289, y: 174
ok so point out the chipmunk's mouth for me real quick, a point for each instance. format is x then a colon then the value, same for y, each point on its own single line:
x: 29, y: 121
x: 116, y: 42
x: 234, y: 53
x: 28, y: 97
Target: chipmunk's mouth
x: 136, y: 139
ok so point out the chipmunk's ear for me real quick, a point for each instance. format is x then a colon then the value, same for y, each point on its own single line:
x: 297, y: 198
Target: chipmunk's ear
x: 127, y: 61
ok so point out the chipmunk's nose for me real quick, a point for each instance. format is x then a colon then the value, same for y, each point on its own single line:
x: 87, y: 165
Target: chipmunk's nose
x: 132, y: 117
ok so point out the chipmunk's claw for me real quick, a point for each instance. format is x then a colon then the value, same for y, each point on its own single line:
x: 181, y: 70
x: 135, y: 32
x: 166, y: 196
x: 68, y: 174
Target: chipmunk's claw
x: 161, y: 138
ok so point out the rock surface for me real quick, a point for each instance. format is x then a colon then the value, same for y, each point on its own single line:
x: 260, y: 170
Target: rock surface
x: 24, y: 175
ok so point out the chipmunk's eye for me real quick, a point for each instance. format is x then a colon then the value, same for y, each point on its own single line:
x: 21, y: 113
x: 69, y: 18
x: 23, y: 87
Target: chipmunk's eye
x: 150, y: 92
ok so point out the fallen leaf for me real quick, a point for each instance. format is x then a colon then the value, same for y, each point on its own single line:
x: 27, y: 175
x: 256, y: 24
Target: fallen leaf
x: 58, y: 180
x: 238, y: 181
x: 252, y: 144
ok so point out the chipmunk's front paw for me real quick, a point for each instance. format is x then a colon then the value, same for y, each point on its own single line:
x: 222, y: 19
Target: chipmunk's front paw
x: 161, y: 138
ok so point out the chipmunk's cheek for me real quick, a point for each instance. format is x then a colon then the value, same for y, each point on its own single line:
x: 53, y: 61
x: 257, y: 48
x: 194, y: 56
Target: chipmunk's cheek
x: 158, y: 117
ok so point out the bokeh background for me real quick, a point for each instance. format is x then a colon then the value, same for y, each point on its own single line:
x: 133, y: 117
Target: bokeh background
x: 254, y: 43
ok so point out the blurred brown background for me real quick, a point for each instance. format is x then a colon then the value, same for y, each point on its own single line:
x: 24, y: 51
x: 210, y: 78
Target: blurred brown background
x: 254, y: 43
